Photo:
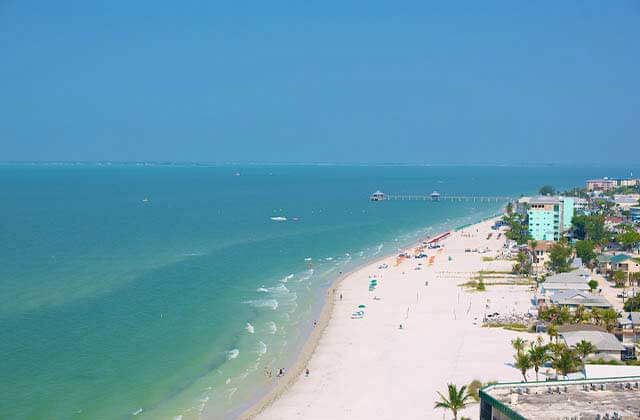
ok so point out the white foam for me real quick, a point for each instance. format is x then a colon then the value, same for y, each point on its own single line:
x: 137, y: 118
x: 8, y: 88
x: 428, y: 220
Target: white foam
x: 287, y: 278
x: 378, y: 249
x: 263, y: 303
x: 261, y: 289
x: 329, y: 259
x: 272, y: 327
x: 232, y: 354
x: 306, y: 275
x: 228, y: 381
x: 231, y: 392
x: 262, y: 348
x: 138, y: 411
x: 308, y: 259
x: 279, y: 219
x: 178, y: 417
x: 250, y: 328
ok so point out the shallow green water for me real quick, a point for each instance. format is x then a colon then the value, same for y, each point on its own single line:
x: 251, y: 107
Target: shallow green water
x: 110, y: 305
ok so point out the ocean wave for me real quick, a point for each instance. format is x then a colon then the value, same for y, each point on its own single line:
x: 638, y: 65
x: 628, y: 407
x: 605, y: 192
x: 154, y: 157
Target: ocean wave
x: 193, y: 254
x: 263, y: 303
x: 262, y: 348
x: 378, y: 249
x: 272, y: 327
x: 279, y: 289
x: 329, y: 259
x: 287, y: 278
x: 232, y: 354
x: 231, y: 392
x: 308, y: 259
x: 306, y: 275
x: 250, y: 328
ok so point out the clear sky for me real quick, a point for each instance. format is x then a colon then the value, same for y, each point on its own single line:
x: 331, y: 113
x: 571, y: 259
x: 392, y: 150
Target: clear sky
x: 320, y: 81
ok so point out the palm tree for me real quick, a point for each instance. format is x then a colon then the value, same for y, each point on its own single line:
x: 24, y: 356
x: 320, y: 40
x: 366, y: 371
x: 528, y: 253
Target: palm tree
x: 579, y: 314
x: 538, y: 356
x: 556, y: 349
x: 457, y: 399
x: 552, y: 330
x: 523, y: 364
x: 596, y: 314
x: 585, y: 348
x: 609, y: 318
x: 565, y: 363
x: 518, y: 344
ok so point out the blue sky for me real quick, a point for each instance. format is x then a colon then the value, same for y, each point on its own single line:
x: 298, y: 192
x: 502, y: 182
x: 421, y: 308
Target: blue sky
x: 320, y: 81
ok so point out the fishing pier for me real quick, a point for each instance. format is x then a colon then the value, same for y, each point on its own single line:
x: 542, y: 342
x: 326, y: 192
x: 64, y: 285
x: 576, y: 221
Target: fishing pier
x: 436, y: 196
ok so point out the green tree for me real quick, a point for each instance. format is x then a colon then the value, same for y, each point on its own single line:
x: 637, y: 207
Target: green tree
x: 633, y: 304
x: 589, y: 227
x: 523, y: 265
x: 628, y: 239
x: 547, y: 190
x: 593, y: 285
x: 596, y: 314
x: 619, y: 277
x: 560, y: 257
x: 523, y: 364
x: 609, y: 319
x: 456, y: 400
x: 518, y: 344
x: 565, y: 363
x: 538, y: 356
x: 585, y: 251
x: 552, y: 330
x: 509, y: 207
x: 585, y: 348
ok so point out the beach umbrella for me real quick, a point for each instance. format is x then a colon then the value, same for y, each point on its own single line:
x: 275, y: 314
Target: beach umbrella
x: 361, y: 306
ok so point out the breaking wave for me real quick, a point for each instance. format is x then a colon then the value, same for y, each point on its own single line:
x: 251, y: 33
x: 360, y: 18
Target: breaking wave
x: 250, y: 328
x: 263, y: 303
x: 306, y: 275
x: 232, y: 354
x: 262, y: 348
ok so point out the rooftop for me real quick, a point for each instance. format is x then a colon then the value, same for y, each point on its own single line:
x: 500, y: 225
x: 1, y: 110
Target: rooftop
x: 577, y: 297
x: 629, y: 318
x: 583, y: 399
x: 581, y: 275
x: 603, y: 341
x: 543, y: 199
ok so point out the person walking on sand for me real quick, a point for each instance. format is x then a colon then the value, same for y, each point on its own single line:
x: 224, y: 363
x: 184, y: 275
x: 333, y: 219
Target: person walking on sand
x: 307, y: 372
x: 340, y: 296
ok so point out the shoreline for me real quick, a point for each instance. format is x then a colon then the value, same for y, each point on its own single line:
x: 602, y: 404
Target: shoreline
x: 310, y: 346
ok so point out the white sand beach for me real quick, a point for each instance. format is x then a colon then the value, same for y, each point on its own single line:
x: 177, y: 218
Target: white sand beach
x: 370, y: 368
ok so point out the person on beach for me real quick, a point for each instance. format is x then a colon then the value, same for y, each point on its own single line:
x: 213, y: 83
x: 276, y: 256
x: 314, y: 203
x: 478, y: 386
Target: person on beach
x: 307, y: 372
x: 400, y: 326
x: 340, y: 296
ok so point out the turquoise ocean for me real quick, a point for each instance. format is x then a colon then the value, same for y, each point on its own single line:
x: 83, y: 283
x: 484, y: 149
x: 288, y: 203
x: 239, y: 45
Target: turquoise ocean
x: 117, y: 307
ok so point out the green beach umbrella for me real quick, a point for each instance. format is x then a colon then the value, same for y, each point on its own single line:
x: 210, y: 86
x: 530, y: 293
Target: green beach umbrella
x: 361, y: 306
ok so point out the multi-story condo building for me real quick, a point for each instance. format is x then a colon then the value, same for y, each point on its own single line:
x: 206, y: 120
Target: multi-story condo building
x: 606, y: 184
x: 549, y: 217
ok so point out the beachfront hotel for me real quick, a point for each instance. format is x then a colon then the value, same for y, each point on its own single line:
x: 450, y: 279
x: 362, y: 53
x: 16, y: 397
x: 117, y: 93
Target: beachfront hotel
x: 592, y: 399
x: 606, y: 184
x: 549, y: 217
